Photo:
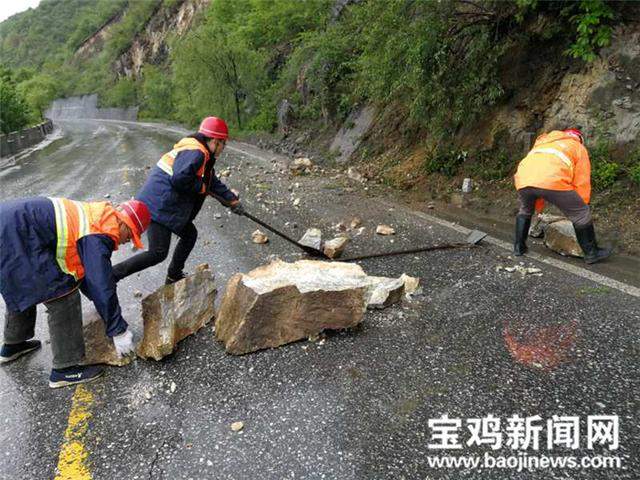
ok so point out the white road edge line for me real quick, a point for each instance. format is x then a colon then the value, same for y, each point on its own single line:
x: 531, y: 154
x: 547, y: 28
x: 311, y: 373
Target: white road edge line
x: 567, y: 267
x: 580, y: 272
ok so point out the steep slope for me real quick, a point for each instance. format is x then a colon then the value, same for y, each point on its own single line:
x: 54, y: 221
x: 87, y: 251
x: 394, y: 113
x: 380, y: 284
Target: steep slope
x: 52, y: 30
x: 151, y: 44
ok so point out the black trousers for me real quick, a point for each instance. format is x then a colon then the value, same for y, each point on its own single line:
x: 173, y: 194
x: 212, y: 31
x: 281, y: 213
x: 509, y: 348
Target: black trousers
x: 159, y: 238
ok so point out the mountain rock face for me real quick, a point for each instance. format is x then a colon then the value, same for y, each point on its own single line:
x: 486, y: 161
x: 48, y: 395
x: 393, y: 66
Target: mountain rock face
x: 546, y: 95
x: 150, y: 45
x: 94, y: 43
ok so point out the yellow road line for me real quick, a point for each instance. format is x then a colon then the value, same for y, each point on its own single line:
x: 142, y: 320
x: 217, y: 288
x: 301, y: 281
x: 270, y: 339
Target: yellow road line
x: 72, y: 461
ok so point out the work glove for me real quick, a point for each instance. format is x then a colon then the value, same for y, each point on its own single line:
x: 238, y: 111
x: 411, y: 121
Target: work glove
x: 237, y: 208
x: 124, y: 343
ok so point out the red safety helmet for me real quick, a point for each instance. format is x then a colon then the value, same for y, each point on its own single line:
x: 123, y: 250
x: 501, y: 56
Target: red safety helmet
x: 137, y: 217
x: 214, y: 127
x: 576, y: 133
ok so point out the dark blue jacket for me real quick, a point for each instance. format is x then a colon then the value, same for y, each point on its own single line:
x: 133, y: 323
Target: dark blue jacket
x: 175, y: 200
x: 29, y: 272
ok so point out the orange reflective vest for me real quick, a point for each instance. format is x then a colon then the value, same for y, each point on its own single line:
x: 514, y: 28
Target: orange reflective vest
x: 557, y: 161
x: 75, y: 220
x: 166, y: 161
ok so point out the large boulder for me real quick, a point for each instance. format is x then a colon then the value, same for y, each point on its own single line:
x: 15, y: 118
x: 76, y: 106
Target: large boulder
x: 283, y: 302
x: 560, y: 237
x: 176, y: 311
x: 540, y: 222
x: 98, y: 347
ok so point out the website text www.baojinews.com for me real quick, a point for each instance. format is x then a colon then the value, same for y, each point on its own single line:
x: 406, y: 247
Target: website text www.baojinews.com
x: 564, y: 437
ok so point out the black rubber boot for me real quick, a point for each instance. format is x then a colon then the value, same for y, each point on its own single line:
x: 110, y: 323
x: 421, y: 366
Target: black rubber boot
x: 523, y: 222
x: 586, y: 236
x: 173, y: 278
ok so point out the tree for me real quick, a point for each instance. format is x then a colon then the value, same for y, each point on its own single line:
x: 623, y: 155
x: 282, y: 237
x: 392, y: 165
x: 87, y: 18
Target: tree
x: 215, y: 73
x: 14, y: 112
x: 157, y: 90
x: 38, y: 92
x: 123, y: 94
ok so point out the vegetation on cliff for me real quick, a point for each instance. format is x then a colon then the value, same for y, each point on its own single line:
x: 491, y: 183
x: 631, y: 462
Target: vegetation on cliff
x: 434, y: 67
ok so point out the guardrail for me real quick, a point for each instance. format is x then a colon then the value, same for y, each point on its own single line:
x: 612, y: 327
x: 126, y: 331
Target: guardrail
x: 13, y: 142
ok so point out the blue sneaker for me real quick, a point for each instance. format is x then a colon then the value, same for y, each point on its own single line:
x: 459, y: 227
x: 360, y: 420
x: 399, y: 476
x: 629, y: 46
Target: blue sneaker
x: 10, y: 352
x: 65, y: 377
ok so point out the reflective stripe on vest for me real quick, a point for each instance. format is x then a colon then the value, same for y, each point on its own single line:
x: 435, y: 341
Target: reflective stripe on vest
x: 72, y: 223
x: 166, y: 161
x: 553, y: 151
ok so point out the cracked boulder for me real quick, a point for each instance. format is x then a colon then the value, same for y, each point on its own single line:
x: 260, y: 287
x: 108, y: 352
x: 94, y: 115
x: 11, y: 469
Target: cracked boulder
x: 560, y: 237
x: 301, y: 165
x: 540, y: 222
x: 284, y: 302
x: 176, y: 311
x: 98, y: 347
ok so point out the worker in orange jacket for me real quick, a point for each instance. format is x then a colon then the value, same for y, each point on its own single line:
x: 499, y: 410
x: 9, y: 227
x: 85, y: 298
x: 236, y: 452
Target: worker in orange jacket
x: 557, y: 170
x: 49, y: 249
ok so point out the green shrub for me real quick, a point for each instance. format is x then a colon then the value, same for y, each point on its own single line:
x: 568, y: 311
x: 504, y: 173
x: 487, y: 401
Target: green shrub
x: 39, y: 91
x: 604, y: 172
x: 14, y: 111
x: 634, y: 173
x: 634, y: 169
x: 445, y: 161
x: 492, y: 165
x: 122, y: 94
x: 592, y: 27
x: 157, y: 91
x: 591, y: 20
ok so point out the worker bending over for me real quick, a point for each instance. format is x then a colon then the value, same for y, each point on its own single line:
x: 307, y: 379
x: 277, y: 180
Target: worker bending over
x: 557, y: 170
x: 50, y: 247
x: 174, y: 192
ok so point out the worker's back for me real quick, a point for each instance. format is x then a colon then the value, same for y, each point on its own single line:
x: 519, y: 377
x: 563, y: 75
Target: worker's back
x: 553, y: 163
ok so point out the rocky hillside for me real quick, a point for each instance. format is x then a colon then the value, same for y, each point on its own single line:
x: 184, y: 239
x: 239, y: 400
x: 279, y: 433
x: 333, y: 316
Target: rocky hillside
x: 151, y: 44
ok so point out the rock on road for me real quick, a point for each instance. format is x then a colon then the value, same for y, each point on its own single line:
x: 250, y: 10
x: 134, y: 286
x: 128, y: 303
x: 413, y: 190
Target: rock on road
x: 480, y: 341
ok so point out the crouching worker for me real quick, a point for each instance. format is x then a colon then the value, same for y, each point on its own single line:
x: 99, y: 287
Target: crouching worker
x: 174, y: 192
x: 49, y: 248
x: 557, y: 170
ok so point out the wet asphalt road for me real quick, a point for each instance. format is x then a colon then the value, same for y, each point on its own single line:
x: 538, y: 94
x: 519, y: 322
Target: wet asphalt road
x: 477, y: 342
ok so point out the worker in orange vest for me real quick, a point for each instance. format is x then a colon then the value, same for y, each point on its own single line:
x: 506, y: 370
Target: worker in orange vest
x: 557, y: 170
x: 175, y: 192
x: 50, y: 248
